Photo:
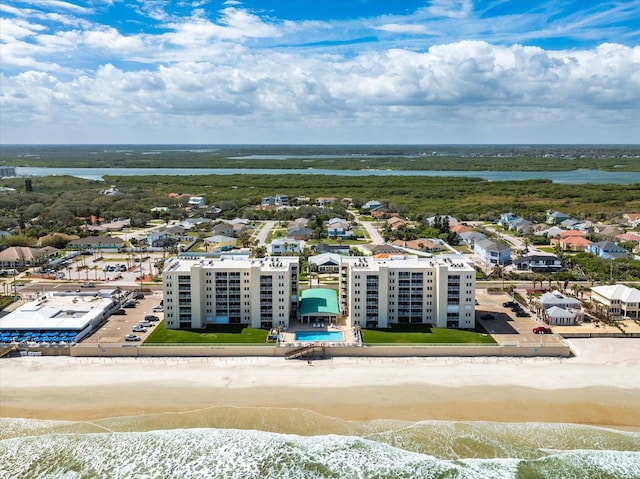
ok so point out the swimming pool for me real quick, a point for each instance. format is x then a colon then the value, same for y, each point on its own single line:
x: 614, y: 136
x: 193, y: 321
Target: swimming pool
x: 319, y: 336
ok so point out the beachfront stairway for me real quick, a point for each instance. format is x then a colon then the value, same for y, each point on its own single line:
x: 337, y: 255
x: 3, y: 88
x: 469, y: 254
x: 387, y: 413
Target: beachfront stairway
x: 296, y: 353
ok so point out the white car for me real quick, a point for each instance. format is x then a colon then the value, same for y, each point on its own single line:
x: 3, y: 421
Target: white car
x: 139, y: 329
x: 157, y: 308
x: 132, y: 337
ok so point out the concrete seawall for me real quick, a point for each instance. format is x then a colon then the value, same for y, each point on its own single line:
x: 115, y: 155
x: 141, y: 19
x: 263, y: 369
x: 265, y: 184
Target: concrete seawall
x: 272, y: 351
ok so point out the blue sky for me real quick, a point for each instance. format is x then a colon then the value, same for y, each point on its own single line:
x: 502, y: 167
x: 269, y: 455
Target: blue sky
x: 329, y: 71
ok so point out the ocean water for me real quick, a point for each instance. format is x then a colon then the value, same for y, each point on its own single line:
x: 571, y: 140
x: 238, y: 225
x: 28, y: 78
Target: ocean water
x: 276, y: 443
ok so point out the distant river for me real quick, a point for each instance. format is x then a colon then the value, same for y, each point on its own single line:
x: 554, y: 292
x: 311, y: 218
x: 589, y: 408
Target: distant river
x: 575, y: 177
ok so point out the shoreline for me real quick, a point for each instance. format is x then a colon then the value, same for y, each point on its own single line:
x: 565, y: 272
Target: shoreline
x: 599, y: 387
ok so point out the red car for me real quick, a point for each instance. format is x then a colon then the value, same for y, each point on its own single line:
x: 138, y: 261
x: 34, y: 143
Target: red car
x: 542, y: 330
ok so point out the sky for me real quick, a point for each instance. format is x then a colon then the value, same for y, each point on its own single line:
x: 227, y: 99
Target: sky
x: 319, y: 71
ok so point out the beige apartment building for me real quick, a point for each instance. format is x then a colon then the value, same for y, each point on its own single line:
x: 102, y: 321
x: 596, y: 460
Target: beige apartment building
x: 373, y: 292
x: 376, y: 292
x: 260, y: 292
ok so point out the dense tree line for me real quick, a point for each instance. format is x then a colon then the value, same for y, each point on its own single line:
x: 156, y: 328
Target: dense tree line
x: 63, y: 204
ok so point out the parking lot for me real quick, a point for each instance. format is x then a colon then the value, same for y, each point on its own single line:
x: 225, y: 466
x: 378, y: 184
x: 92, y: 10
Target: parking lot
x: 507, y: 328
x: 118, y: 326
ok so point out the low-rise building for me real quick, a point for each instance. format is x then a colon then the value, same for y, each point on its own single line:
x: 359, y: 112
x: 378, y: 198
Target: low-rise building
x: 325, y: 263
x: 284, y: 246
x: 558, y: 309
x: 617, y: 300
x: 96, y: 243
x: 538, y: 263
x: 492, y: 252
x: 58, y: 317
x: 607, y: 250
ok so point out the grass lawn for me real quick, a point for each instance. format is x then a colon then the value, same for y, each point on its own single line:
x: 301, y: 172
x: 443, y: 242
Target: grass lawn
x: 213, y: 334
x: 422, y: 333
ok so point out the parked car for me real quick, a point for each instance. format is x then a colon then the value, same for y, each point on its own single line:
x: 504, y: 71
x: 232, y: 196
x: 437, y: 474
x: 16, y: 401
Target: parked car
x: 130, y: 304
x: 509, y: 304
x: 151, y: 317
x: 145, y: 324
x: 157, y: 309
x: 120, y: 312
x: 488, y: 316
x: 132, y: 337
x: 138, y: 329
x: 522, y: 314
x: 139, y: 295
x: 542, y: 330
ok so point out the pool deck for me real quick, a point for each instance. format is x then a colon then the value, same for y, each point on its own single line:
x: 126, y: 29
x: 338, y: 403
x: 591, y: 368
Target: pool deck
x: 287, y: 338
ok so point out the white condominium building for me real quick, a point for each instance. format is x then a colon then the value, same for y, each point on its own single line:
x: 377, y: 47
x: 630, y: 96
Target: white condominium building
x: 259, y: 292
x: 407, y: 289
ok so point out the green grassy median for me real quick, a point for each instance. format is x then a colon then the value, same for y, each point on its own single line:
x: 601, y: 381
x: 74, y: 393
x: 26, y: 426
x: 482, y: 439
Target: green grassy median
x: 422, y: 334
x: 213, y: 334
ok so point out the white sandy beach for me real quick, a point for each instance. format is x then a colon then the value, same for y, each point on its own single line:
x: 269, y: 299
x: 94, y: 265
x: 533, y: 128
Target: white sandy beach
x: 599, y: 386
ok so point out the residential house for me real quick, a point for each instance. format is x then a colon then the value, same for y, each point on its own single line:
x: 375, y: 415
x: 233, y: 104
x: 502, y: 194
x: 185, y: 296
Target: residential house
x: 298, y: 223
x: 325, y: 263
x: 574, y: 312
x: 115, y: 225
x: 631, y: 237
x: 396, y: 222
x: 551, y: 232
x: 608, y: 230
x: 459, y: 228
x: 111, y: 191
x: 377, y: 249
x: 556, y: 316
x: 492, y: 252
x: 341, y: 249
x: 572, y: 243
x: 323, y: 202
x: 372, y: 205
x: 383, y: 213
x: 96, y: 242
x: 556, y: 217
x: 163, y: 238
x: 300, y: 233
x: 200, y: 221
x: 607, y: 250
x: 538, y: 263
x: 521, y: 225
x: 22, y: 256
x: 197, y: 202
x: 569, y: 223
x: 282, y: 200
x: 572, y: 232
x: 431, y: 220
x: 421, y: 244
x: 507, y: 218
x: 223, y: 229
x: 268, y: 202
x: 283, y: 246
x: 632, y: 219
x: 221, y: 242
x: 339, y: 228
x: 617, y: 300
x: 302, y: 200
x: 56, y: 237
x: 470, y: 237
